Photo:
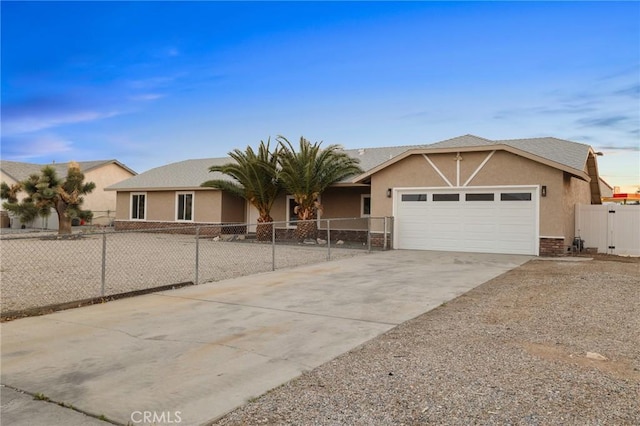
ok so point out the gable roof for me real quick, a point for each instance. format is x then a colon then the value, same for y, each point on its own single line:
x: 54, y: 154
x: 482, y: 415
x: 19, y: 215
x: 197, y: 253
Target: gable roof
x: 19, y: 171
x: 562, y: 154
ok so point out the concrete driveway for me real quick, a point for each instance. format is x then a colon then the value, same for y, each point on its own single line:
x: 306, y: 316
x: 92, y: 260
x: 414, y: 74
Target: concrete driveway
x: 195, y: 353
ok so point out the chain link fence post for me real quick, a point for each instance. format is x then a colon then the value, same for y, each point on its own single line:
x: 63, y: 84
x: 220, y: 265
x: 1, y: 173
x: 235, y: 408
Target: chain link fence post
x: 328, y: 239
x: 197, y: 254
x: 273, y: 246
x: 384, y: 235
x: 104, y: 263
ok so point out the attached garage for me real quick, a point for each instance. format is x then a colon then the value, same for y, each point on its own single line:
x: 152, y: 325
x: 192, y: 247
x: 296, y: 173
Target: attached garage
x: 484, y: 220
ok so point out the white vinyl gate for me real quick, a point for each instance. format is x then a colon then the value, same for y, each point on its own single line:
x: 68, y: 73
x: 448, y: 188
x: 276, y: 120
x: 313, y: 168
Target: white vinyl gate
x: 611, y: 228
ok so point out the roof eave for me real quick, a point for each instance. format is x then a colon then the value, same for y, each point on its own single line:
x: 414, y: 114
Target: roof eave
x: 164, y: 188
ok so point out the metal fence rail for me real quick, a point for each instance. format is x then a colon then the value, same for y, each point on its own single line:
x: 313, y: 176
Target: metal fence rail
x: 41, y: 270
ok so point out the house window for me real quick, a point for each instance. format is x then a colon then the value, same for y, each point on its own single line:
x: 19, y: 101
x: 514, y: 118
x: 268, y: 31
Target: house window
x: 479, y: 197
x: 365, y: 205
x: 292, y: 217
x: 185, y: 206
x: 446, y: 197
x: 138, y: 206
x: 515, y: 196
x: 414, y: 197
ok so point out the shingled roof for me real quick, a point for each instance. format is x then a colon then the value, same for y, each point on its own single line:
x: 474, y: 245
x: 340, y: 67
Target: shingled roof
x: 565, y: 155
x: 183, y: 175
x: 190, y: 174
x: 19, y: 171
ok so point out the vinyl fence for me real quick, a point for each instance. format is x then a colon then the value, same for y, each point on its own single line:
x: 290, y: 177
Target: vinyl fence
x: 42, y: 271
x: 612, y: 229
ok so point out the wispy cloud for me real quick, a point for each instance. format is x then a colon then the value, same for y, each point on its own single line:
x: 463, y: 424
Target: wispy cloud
x: 611, y: 121
x: 633, y: 91
x: 620, y: 148
x: 15, y: 124
x: 26, y: 148
x: 147, y: 97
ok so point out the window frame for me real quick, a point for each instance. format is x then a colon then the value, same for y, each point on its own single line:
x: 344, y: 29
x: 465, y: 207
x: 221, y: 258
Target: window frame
x: 292, y: 224
x: 445, y: 197
x: 516, y: 196
x: 193, y: 202
x: 144, y: 207
x: 414, y: 198
x: 469, y: 197
x: 362, y: 198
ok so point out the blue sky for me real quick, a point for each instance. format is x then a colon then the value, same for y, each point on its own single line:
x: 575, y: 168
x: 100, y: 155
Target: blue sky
x: 149, y: 83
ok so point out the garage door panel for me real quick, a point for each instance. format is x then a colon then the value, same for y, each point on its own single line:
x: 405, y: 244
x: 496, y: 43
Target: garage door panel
x: 474, y: 226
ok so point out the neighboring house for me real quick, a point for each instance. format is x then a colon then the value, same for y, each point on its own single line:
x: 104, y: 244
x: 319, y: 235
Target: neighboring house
x: 466, y: 194
x: 103, y: 173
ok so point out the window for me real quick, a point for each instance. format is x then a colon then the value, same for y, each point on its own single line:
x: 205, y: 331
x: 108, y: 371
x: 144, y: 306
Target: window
x: 414, y: 197
x: 292, y: 217
x: 446, y: 197
x: 185, y: 206
x: 479, y: 197
x: 138, y: 206
x: 365, y: 205
x: 515, y: 196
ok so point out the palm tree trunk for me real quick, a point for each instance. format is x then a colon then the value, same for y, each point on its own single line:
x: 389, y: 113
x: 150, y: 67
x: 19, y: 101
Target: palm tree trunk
x: 307, y: 229
x: 264, y: 229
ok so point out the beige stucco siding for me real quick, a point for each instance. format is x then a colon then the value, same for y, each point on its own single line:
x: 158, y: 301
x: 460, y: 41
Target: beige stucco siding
x: 100, y: 200
x: 342, y: 202
x: 122, y: 205
x: 576, y: 191
x: 233, y: 209
x: 207, y: 206
x: 502, y: 169
x: 279, y: 209
x: 161, y: 206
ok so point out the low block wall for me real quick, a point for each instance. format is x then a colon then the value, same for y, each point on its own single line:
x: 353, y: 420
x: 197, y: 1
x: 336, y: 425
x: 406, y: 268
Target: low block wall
x: 208, y: 229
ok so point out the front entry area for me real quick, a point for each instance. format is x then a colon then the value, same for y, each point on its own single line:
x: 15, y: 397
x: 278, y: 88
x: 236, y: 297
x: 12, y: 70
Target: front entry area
x: 481, y: 220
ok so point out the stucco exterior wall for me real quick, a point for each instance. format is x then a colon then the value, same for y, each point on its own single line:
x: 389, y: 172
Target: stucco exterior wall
x: 207, y: 206
x: 161, y: 206
x: 343, y: 202
x: 109, y: 174
x: 279, y: 209
x: 502, y: 169
x: 338, y: 202
x: 233, y: 209
x: 576, y: 191
x: 123, y: 205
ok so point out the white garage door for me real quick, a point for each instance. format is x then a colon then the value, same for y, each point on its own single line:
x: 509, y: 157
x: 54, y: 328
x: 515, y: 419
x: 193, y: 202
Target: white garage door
x: 484, y: 220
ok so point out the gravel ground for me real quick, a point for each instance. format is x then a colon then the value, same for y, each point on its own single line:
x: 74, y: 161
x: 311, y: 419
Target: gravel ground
x: 40, y: 270
x: 512, y: 351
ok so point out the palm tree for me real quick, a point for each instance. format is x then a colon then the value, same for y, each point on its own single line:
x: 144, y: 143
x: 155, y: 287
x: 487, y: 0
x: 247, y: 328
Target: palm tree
x: 46, y: 191
x: 255, y: 176
x: 308, y: 173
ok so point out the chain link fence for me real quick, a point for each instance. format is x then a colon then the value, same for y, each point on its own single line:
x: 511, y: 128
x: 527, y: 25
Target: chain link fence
x: 43, y: 271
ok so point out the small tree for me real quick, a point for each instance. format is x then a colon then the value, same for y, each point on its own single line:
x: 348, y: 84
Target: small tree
x: 47, y: 191
x: 255, y: 175
x: 307, y: 173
